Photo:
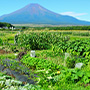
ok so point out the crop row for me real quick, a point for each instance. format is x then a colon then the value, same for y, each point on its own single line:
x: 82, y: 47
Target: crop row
x: 39, y: 41
x: 76, y: 47
x: 39, y: 64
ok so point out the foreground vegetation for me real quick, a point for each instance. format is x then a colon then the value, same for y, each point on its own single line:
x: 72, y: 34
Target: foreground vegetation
x: 55, y: 71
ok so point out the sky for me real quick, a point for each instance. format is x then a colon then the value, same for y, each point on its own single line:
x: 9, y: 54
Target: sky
x: 79, y: 9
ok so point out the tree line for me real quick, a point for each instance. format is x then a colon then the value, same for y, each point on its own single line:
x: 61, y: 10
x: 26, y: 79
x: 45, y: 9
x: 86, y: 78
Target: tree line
x: 70, y: 28
x: 63, y: 28
x: 4, y: 24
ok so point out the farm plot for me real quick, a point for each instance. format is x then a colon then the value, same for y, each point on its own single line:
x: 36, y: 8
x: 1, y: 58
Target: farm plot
x: 48, y: 68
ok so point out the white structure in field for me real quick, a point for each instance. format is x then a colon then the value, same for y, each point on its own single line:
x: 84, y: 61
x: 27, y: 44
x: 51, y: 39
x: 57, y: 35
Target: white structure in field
x: 78, y: 65
x: 32, y: 54
x: 12, y: 28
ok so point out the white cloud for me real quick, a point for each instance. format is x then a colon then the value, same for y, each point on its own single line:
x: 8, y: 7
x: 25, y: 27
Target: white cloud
x: 74, y: 14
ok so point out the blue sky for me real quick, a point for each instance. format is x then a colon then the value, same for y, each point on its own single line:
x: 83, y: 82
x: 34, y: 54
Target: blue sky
x: 77, y: 8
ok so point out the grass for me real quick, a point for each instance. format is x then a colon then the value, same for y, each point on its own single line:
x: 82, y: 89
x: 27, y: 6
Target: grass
x: 9, y: 56
x: 48, y: 55
x: 8, y: 36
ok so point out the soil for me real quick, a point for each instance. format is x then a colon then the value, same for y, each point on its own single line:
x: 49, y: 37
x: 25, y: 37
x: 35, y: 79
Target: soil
x: 4, y: 52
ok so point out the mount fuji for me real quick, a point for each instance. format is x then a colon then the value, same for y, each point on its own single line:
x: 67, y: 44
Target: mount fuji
x: 36, y: 14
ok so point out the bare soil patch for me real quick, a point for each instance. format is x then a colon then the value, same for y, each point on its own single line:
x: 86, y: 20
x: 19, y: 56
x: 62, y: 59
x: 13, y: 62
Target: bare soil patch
x: 4, y: 52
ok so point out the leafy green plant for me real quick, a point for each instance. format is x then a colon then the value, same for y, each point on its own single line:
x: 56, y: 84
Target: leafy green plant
x: 73, y: 76
x: 38, y: 64
x: 76, y: 47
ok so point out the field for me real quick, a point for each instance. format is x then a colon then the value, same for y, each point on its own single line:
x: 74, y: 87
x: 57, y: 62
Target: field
x: 53, y: 67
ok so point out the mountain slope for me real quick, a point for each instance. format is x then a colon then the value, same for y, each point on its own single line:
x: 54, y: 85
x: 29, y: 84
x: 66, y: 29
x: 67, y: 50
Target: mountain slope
x: 36, y: 14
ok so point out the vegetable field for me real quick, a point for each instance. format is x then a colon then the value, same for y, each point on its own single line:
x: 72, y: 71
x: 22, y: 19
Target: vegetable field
x: 50, y: 69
